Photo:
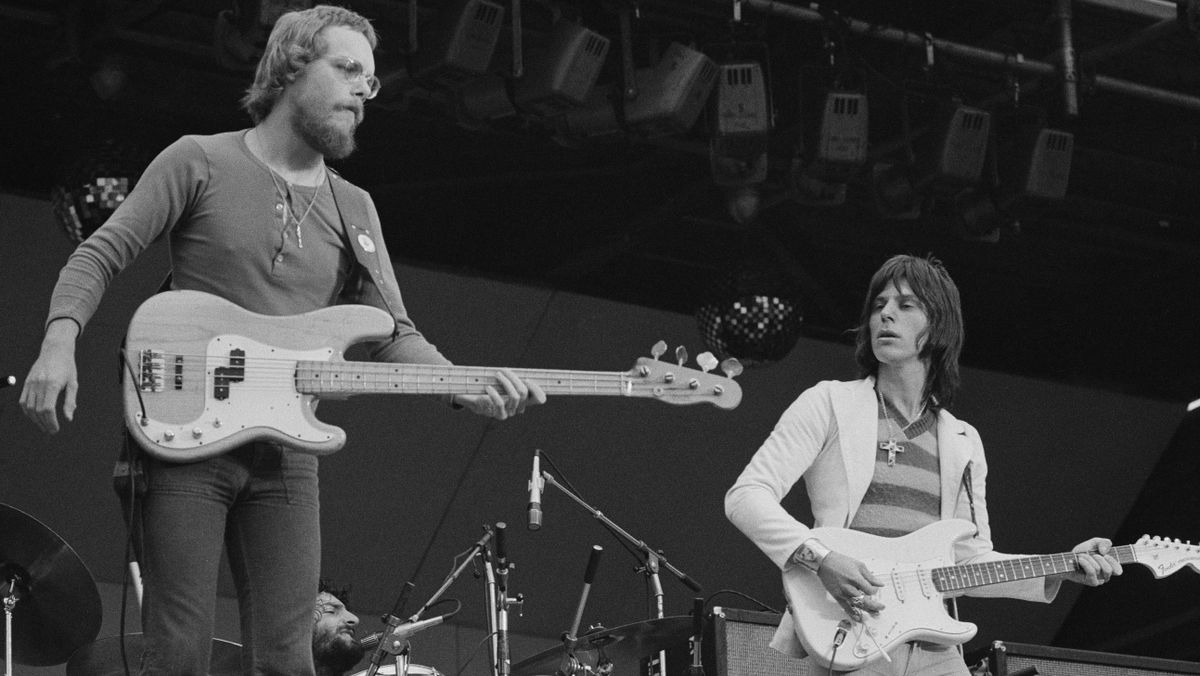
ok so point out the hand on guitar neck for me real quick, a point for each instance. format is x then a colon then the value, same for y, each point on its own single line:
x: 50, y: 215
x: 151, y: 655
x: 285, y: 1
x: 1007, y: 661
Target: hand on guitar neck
x: 517, y: 395
x: 1096, y: 563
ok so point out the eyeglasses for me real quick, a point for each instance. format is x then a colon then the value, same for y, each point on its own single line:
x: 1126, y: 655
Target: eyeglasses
x: 352, y: 73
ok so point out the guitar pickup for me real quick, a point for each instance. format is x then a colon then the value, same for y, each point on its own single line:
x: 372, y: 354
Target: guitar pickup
x: 223, y: 376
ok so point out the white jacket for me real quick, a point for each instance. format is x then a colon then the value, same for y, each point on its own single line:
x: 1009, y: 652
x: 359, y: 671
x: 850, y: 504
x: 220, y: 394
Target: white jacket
x: 828, y: 437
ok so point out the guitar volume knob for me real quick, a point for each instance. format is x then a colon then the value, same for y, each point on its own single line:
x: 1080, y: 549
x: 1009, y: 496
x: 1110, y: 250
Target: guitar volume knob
x: 197, y: 432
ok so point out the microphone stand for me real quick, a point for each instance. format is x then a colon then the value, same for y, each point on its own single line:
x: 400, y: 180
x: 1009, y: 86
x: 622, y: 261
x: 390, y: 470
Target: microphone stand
x: 388, y: 644
x: 498, y: 602
x: 654, y: 559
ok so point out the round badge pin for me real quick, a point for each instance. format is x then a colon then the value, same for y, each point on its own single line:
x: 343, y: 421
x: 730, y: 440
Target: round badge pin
x: 366, y: 243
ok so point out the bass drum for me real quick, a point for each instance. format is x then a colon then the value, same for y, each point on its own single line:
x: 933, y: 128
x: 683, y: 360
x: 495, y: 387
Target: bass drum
x: 413, y: 670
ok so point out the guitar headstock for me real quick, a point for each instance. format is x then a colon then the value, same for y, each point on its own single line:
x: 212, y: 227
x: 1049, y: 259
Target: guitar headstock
x: 1164, y: 556
x: 678, y: 384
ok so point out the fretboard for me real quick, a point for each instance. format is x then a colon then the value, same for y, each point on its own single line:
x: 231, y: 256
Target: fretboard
x: 966, y: 576
x: 347, y: 378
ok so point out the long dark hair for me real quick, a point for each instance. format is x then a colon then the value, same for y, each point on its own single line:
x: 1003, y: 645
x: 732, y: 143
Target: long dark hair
x: 931, y: 283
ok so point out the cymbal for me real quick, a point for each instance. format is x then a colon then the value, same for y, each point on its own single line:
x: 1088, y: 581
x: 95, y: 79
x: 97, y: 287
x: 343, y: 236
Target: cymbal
x: 102, y: 657
x: 58, y: 606
x: 624, y: 646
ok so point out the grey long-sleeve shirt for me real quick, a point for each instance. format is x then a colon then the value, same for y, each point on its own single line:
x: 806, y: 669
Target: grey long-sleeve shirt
x: 231, y: 225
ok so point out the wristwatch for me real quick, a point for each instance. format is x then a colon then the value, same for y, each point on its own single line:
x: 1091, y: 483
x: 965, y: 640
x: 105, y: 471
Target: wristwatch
x: 810, y: 554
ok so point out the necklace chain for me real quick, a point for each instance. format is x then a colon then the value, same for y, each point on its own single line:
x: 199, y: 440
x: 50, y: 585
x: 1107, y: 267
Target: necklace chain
x: 283, y: 196
x: 892, y: 445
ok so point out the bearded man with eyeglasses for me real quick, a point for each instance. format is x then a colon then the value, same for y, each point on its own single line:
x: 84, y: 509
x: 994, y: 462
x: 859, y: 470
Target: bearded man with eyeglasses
x: 254, y: 217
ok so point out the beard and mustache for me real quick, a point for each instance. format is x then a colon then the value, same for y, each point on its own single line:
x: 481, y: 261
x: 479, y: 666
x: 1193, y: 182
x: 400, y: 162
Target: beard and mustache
x: 323, y: 133
x: 337, y: 651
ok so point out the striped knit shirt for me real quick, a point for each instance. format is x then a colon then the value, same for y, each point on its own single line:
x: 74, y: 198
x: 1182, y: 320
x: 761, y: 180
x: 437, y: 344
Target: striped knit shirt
x: 906, y: 495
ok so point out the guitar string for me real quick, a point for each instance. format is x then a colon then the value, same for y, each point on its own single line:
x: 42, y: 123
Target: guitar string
x: 274, y: 373
x: 285, y: 364
x: 1049, y: 566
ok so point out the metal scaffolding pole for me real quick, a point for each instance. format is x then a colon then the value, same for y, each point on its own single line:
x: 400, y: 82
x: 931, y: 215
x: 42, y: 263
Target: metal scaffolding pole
x: 983, y: 57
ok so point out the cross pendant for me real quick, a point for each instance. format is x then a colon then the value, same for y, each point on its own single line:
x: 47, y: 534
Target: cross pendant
x: 892, y: 447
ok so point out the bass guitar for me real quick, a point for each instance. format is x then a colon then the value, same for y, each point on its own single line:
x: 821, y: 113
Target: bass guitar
x: 206, y: 375
x: 919, y: 573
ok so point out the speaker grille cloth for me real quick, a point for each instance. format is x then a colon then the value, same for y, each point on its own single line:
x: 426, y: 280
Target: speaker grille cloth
x: 749, y: 653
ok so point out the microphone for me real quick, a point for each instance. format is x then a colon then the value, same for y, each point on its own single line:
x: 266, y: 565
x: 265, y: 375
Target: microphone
x: 369, y: 641
x: 392, y: 643
x: 392, y: 620
x: 840, y: 636
x: 535, y: 492
x: 405, y: 631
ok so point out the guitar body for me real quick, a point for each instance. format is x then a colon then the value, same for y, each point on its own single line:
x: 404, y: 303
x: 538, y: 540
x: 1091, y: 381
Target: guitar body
x: 204, y: 375
x: 914, y: 607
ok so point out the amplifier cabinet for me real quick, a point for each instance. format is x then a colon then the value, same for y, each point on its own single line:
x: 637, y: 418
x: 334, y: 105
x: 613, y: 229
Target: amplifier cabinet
x: 737, y: 643
x: 1010, y: 659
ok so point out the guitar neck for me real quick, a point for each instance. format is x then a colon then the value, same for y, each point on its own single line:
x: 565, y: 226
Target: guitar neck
x: 347, y: 378
x: 971, y: 575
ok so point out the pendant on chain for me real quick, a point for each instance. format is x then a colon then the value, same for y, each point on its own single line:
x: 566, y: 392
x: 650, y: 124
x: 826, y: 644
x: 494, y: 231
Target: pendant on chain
x: 892, y: 447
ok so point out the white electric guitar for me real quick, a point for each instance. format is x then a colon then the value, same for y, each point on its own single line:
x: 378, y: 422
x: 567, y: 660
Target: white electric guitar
x: 205, y: 375
x: 919, y: 573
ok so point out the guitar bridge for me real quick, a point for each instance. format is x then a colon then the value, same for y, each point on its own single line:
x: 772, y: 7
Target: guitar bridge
x: 151, y: 371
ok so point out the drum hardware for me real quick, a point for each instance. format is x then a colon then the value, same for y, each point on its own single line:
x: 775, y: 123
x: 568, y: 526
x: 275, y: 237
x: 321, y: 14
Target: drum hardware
x: 653, y: 561
x: 51, y: 604
x: 601, y: 651
x: 498, y: 602
x: 411, y: 670
x: 395, y: 640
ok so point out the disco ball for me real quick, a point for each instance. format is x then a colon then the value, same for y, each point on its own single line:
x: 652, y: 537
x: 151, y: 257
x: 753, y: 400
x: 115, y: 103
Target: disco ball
x: 752, y: 314
x: 93, y: 184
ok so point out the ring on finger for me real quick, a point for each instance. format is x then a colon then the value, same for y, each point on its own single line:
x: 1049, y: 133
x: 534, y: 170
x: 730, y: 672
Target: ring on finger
x: 856, y: 601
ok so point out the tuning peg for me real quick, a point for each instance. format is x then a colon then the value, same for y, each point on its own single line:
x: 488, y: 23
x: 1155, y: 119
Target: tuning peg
x: 681, y: 355
x: 659, y: 349
x: 732, y: 367
x: 707, y: 361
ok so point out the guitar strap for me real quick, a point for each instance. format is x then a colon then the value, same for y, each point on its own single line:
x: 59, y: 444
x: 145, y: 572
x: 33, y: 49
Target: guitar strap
x: 970, y: 493
x: 361, y: 231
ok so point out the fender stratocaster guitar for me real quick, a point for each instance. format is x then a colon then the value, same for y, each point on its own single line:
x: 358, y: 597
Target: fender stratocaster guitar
x: 919, y: 573
x: 205, y: 375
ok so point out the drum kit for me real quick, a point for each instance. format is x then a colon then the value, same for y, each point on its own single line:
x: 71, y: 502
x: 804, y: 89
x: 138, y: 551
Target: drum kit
x: 616, y: 651
x: 52, y: 609
x: 53, y: 615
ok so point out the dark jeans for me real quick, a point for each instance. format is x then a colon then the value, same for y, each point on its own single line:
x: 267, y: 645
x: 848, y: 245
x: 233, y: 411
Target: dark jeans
x: 262, y: 504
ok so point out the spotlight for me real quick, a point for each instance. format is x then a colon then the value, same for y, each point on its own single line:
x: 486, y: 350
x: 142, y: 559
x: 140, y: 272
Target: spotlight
x: 1037, y: 165
x: 561, y: 76
x: 841, y: 146
x: 741, y: 120
x: 671, y: 94
x: 952, y: 154
x: 457, y: 45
